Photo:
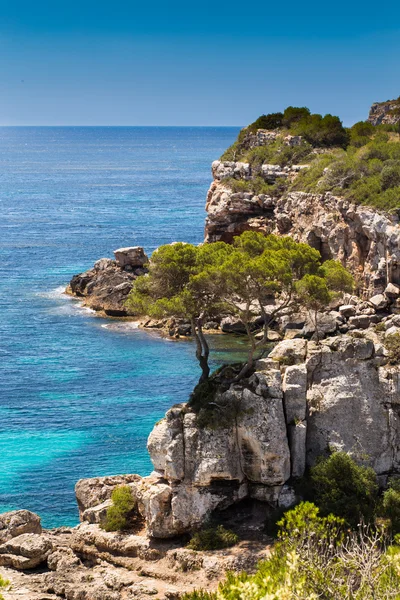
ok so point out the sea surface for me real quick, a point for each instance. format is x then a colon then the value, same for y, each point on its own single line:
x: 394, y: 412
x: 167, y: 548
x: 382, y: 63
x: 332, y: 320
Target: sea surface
x: 79, y: 394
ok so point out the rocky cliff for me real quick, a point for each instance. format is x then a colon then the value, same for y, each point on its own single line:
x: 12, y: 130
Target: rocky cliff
x: 386, y: 113
x: 304, y: 400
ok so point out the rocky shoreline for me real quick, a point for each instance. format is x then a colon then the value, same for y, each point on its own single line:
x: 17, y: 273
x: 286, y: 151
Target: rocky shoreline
x: 87, y: 563
x: 237, y: 456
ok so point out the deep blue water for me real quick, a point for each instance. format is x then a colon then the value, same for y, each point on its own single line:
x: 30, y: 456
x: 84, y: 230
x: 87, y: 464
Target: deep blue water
x: 79, y: 394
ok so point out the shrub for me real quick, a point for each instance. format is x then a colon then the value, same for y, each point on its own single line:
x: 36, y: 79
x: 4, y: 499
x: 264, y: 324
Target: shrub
x: 391, y: 504
x: 321, y: 131
x: 255, y: 186
x: 344, y: 488
x: 317, y: 558
x: 270, y: 121
x: 392, y: 345
x: 199, y: 595
x: 293, y: 114
x: 390, y: 175
x: 118, y: 513
x: 3, y: 584
x: 212, y: 538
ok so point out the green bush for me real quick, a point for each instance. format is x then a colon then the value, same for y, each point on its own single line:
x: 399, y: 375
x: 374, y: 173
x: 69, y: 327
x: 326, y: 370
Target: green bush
x: 123, y: 504
x: 294, y: 114
x: 361, y: 164
x: 317, y: 557
x: 3, y: 584
x: 270, y: 121
x: 390, y: 175
x: 212, y: 538
x: 344, y: 488
x: 199, y: 595
x: 391, y: 505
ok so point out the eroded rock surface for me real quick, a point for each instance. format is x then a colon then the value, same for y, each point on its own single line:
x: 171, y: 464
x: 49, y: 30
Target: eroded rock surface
x: 303, y: 400
x: 365, y: 241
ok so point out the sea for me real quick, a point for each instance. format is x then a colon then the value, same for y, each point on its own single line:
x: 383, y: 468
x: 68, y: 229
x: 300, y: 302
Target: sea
x: 79, y: 394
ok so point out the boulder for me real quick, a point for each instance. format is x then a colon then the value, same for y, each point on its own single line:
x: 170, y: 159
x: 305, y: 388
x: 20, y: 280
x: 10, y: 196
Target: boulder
x: 392, y: 291
x: 232, y: 325
x: 361, y: 321
x: 379, y: 301
x: 327, y: 323
x: 25, y: 551
x: 289, y: 352
x: 134, y: 256
x: 347, y: 310
x: 17, y: 522
x: 294, y: 393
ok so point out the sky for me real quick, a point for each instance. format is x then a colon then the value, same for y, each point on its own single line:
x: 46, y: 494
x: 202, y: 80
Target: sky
x: 159, y: 62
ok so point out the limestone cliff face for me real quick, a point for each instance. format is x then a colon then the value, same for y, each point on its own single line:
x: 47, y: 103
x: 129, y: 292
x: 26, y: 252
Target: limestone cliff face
x: 301, y: 402
x: 385, y: 113
x: 364, y: 240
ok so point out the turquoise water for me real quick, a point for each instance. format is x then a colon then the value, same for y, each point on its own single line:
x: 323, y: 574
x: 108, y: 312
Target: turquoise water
x: 79, y: 394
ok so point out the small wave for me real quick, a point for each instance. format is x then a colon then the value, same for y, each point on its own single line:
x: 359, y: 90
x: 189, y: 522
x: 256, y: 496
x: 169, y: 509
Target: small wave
x: 122, y: 327
x: 57, y: 294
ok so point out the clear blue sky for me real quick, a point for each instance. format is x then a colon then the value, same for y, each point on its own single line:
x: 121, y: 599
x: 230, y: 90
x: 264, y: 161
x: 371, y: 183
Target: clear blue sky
x: 121, y: 62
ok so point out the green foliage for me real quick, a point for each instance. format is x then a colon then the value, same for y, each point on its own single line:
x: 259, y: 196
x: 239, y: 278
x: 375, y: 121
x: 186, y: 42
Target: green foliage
x: 199, y: 595
x: 360, y: 133
x: 361, y: 164
x: 338, y: 279
x: 304, y: 519
x: 213, y: 538
x: 390, y: 508
x: 313, y: 291
x: 322, y: 132
x: 344, y: 488
x: 257, y: 185
x: 195, y: 282
x: 293, y: 114
x: 392, y: 345
x: 390, y: 175
x: 316, y: 557
x: 270, y: 121
x: 3, y: 584
x: 117, y: 517
x: 277, y: 153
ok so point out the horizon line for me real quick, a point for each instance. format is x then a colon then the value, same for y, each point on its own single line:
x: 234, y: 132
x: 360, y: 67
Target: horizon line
x: 77, y: 125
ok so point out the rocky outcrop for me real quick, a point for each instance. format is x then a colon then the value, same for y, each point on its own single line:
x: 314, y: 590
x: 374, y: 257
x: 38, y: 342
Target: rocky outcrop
x: 87, y: 563
x: 18, y: 522
x: 260, y: 434
x: 106, y: 286
x: 385, y: 113
x: 365, y: 241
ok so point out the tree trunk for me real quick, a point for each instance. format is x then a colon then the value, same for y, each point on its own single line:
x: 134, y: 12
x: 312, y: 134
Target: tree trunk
x: 202, y: 348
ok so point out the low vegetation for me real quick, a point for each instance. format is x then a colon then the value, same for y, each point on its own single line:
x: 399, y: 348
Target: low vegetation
x: 361, y: 163
x: 119, y: 513
x: 3, y: 584
x: 343, y: 546
x: 213, y: 538
x: 345, y: 488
